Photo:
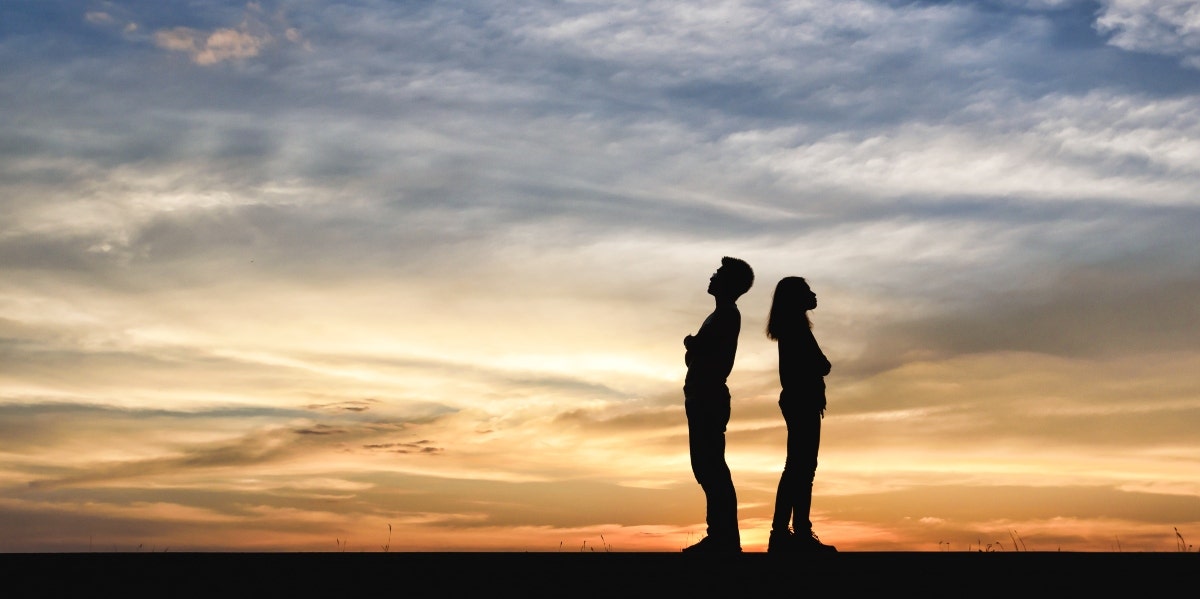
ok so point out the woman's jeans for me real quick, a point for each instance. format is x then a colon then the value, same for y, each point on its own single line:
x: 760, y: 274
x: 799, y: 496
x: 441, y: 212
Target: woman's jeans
x: 793, y: 499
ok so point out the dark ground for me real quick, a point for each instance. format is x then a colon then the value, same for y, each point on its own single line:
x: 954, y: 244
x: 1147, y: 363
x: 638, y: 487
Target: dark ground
x: 849, y: 574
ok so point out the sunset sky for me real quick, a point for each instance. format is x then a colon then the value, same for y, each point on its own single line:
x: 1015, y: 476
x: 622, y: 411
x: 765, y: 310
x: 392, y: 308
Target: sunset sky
x: 414, y: 275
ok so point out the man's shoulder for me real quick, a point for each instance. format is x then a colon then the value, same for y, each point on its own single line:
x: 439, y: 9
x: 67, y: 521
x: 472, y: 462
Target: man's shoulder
x: 729, y: 315
x: 731, y: 310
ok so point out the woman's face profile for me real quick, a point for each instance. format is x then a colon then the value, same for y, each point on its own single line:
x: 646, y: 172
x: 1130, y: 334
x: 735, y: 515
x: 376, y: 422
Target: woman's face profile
x: 806, y: 297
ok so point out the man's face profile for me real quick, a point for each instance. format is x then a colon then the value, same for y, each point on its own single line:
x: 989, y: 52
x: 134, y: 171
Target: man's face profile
x: 717, y: 281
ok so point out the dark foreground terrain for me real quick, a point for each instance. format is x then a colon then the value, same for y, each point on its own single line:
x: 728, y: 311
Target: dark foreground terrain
x: 850, y: 574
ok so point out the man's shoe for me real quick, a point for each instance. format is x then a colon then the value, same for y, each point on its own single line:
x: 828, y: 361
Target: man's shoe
x: 782, y: 541
x: 711, y: 545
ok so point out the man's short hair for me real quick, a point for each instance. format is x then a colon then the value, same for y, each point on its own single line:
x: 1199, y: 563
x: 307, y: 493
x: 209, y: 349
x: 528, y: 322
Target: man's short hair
x: 741, y: 276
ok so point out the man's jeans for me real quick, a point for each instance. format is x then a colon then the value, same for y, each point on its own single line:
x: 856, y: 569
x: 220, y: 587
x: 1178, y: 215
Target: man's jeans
x: 708, y: 415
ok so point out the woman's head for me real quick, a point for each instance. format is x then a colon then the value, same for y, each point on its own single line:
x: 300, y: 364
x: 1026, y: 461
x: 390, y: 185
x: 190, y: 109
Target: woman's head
x: 789, y: 307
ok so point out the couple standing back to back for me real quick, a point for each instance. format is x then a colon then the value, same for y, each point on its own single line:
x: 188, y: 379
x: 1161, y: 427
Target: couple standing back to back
x: 802, y: 367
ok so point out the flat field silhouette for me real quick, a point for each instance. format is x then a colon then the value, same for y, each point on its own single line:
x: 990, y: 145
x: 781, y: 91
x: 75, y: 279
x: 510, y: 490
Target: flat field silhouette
x: 853, y: 574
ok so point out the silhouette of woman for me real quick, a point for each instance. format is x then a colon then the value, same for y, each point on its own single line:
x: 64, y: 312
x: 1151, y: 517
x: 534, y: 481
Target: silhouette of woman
x: 802, y: 370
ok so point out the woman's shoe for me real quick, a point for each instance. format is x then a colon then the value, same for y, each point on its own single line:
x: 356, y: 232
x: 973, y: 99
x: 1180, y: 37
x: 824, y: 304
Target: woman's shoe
x: 810, y: 543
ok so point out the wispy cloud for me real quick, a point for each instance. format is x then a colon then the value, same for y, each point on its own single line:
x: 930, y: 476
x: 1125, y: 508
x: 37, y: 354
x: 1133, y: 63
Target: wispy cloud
x: 1169, y: 28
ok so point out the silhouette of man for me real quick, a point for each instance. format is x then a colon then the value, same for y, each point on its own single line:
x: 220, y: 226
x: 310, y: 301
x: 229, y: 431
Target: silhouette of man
x: 709, y: 357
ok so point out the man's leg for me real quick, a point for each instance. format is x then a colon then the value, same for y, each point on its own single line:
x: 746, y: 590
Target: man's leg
x: 707, y: 420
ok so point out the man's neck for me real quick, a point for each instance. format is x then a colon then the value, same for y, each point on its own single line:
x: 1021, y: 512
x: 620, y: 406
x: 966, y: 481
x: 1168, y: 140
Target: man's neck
x: 725, y: 301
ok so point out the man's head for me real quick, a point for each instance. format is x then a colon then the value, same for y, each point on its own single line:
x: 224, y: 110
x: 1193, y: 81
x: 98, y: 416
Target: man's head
x: 731, y: 280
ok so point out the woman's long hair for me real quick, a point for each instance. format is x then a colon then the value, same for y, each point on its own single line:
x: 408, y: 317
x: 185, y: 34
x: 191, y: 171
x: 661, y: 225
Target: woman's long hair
x: 785, y: 317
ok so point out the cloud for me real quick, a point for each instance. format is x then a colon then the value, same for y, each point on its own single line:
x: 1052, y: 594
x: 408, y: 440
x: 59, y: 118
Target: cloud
x: 1102, y: 312
x: 212, y: 47
x: 421, y: 446
x: 1169, y: 27
x: 98, y: 17
x: 963, y: 504
x: 261, y: 447
x: 251, y: 37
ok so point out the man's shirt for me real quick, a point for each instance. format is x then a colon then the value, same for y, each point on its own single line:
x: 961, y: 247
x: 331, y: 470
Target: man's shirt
x: 710, y: 354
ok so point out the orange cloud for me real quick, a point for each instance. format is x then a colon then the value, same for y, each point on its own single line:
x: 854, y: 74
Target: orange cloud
x: 211, y: 48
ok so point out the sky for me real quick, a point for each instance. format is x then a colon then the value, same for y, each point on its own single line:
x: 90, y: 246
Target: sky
x: 414, y: 275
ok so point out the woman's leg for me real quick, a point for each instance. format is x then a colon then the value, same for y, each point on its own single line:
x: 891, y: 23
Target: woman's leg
x: 793, y: 498
x: 803, y: 444
x: 784, y: 492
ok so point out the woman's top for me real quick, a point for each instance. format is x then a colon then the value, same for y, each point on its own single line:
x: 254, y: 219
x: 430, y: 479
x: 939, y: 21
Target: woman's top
x: 802, y: 368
